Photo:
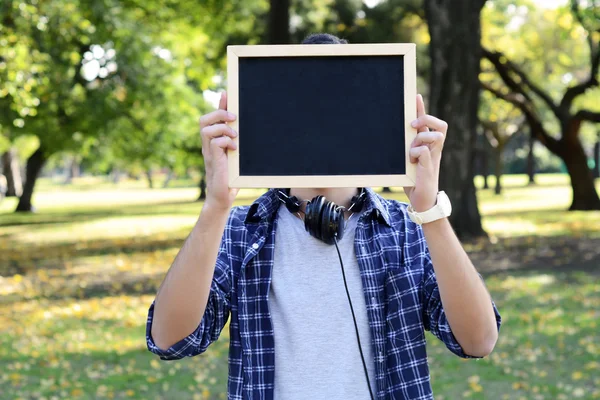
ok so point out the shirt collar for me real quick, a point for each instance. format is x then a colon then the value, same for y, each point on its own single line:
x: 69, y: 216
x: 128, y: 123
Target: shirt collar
x: 265, y: 207
x: 375, y: 206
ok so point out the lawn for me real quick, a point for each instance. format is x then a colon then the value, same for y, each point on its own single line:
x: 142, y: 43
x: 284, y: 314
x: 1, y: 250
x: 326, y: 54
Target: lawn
x: 76, y: 280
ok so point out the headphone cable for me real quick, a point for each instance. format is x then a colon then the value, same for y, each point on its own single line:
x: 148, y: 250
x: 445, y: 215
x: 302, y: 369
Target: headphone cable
x: 354, y: 318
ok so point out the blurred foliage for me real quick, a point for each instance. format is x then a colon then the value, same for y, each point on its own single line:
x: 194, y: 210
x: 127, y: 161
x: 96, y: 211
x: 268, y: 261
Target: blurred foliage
x: 119, y: 84
x: 549, y: 43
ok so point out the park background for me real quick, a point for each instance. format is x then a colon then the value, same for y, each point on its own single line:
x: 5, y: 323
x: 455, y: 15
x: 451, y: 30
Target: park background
x: 99, y: 103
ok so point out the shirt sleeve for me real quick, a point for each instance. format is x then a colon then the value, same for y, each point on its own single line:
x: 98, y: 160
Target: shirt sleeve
x: 434, y: 317
x: 214, y: 318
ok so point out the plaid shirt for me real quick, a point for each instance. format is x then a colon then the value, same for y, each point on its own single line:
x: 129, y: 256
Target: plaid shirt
x: 399, y: 284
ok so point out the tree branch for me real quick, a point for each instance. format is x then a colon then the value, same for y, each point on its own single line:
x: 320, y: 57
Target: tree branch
x: 574, y: 91
x: 537, y: 128
x: 586, y: 115
x: 509, y: 66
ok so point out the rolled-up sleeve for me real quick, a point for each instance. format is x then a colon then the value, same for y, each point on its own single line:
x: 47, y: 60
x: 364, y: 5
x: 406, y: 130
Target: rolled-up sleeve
x: 215, y: 316
x: 434, y: 317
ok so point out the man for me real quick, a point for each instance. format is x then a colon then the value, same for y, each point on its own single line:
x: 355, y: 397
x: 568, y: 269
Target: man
x: 293, y: 333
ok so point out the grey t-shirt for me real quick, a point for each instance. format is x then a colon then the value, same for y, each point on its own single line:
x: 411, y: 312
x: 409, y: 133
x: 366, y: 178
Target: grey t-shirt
x: 316, y: 352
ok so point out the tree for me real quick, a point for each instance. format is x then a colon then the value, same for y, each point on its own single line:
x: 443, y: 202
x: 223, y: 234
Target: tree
x: 531, y: 99
x: 531, y: 160
x: 500, y: 122
x: 43, y: 89
x: 481, y: 157
x: 71, y: 67
x: 279, y: 22
x: 455, y: 52
x: 10, y: 167
x: 597, y: 157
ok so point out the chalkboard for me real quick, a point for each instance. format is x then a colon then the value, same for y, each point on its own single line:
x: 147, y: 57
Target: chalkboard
x: 322, y: 115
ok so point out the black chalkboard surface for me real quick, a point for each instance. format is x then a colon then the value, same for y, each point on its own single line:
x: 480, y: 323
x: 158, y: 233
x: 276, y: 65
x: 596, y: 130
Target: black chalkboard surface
x: 312, y: 117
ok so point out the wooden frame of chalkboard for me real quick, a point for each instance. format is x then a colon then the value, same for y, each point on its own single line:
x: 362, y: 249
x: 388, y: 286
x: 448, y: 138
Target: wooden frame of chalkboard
x: 386, y: 170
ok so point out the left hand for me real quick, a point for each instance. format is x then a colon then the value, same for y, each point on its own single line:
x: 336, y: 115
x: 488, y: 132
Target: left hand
x: 426, y: 151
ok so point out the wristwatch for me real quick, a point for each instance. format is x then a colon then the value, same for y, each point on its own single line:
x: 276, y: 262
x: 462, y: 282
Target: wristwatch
x: 442, y: 209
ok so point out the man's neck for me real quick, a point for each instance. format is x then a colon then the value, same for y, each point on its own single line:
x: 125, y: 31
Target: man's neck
x: 340, y: 196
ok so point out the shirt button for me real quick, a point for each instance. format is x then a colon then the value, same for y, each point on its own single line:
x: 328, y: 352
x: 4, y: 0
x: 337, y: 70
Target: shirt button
x: 255, y: 246
x: 373, y: 299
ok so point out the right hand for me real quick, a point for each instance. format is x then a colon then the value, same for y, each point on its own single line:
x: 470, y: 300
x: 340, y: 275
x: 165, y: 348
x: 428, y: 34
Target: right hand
x: 217, y: 137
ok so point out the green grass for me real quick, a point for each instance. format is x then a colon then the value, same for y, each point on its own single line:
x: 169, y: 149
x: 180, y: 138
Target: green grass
x: 76, y: 280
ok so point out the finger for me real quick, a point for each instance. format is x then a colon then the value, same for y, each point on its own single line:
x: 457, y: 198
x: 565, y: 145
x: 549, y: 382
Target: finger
x: 420, y: 106
x: 429, y: 121
x: 216, y: 117
x: 428, y: 138
x: 223, y: 101
x: 213, y: 131
x: 420, y: 113
x: 217, y: 130
x: 223, y: 142
x: 422, y: 155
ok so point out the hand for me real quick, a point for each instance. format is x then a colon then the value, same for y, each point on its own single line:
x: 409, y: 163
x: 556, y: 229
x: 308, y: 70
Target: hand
x: 426, y: 151
x: 217, y: 137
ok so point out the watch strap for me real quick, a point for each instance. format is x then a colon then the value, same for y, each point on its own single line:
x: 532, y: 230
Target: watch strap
x: 433, y: 214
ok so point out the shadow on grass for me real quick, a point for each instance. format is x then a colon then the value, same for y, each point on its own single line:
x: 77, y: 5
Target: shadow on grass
x: 55, y: 255
x: 83, y: 214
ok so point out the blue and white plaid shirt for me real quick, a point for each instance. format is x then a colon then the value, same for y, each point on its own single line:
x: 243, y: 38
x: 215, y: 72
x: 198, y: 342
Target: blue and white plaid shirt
x: 399, y: 284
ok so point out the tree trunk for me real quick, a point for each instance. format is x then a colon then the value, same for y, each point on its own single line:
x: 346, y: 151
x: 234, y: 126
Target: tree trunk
x: 168, y: 179
x: 279, y: 22
x: 149, y: 177
x: 10, y: 166
x: 34, y: 166
x: 531, y: 161
x: 597, y: 158
x: 202, y: 187
x: 455, y: 53
x: 498, y: 168
x: 485, y: 168
x: 585, y: 196
x: 116, y: 175
x: 73, y: 170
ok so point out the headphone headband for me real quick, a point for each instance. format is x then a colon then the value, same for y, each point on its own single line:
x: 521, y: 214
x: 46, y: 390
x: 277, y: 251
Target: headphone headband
x: 323, y: 219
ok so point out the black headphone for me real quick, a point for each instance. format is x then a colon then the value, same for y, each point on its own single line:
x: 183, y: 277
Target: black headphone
x: 323, y: 219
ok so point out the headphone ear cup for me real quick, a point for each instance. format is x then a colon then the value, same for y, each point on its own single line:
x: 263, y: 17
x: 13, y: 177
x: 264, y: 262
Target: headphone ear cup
x: 341, y: 224
x: 332, y: 223
x: 312, y: 214
x: 336, y: 223
x: 324, y: 222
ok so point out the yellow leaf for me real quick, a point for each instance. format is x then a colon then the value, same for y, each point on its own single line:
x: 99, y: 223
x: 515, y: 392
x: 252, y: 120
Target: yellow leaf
x: 577, y: 375
x: 592, y: 365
